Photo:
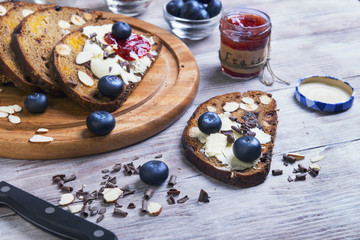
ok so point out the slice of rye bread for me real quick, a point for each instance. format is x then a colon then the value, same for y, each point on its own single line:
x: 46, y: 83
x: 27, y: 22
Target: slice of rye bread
x: 4, y: 8
x: 35, y: 38
x: 8, y: 62
x: 89, y: 97
x: 266, y: 115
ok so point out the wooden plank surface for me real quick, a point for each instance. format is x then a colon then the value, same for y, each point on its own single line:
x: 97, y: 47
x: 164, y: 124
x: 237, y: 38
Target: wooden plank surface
x: 308, y: 38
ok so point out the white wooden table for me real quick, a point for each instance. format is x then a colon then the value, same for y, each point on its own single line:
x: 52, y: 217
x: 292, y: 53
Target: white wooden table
x: 308, y: 38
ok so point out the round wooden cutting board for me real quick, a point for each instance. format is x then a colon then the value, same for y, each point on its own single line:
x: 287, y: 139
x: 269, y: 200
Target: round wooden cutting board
x: 162, y: 96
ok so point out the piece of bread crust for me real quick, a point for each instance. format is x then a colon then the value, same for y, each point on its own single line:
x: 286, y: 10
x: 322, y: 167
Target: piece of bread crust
x: 267, y: 120
x: 89, y: 97
x: 35, y: 38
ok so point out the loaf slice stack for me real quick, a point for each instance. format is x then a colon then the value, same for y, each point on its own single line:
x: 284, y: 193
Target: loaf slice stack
x: 255, y: 111
x: 78, y: 72
x: 8, y: 63
x: 35, y: 38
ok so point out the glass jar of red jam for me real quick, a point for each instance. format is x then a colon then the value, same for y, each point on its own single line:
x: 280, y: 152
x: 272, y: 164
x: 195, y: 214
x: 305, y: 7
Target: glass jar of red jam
x: 245, y: 40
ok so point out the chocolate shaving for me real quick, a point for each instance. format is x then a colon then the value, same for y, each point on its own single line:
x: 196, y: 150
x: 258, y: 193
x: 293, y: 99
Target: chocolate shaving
x: 172, y: 181
x: 131, y: 206
x: 110, y: 185
x: 105, y: 176
x: 116, y: 168
x: 148, y: 193
x: 119, y: 212
x: 232, y: 118
x: 100, y: 218
x: 290, y: 179
x: 58, y: 177
x: 137, y: 170
x: 66, y: 189
x: 313, y: 172
x: 203, y: 196
x: 171, y: 200
x: 127, y: 170
x: 236, y: 129
x: 60, y: 184
x: 112, y: 55
x: 117, y: 205
x: 102, y: 210
x: 173, y: 192
x: 105, y: 56
x: 302, y: 169
x: 229, y: 134
x: 183, y: 199
x: 252, y: 134
x: 69, y: 178
x: 112, y: 180
x: 125, y: 193
x: 84, y: 212
x: 277, y: 172
x: 93, y: 211
x: 158, y: 156
x: 144, y: 205
x: 289, y: 159
x: 300, y: 177
x: 105, y: 171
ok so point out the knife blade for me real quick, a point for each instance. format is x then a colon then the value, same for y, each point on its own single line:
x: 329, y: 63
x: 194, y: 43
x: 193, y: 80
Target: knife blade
x: 50, y: 217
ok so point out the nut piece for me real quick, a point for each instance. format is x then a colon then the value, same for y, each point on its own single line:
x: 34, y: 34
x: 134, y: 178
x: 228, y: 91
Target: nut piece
x: 40, y: 139
x: 248, y: 107
x: 211, y: 109
x: 265, y: 124
x: 315, y: 167
x: 248, y: 100
x: 112, y: 194
x: 83, y: 57
x: 63, y: 49
x: 317, y: 158
x: 77, y: 20
x: 76, y: 208
x: 154, y: 208
x: 85, y: 79
x: 296, y: 156
x: 64, y: 24
x: 14, y: 119
x: 264, y: 99
x: 16, y: 108
x: 230, y: 106
x: 88, y: 16
x: 8, y: 110
x: 66, y: 199
x: 26, y: 12
x: 3, y: 114
x: 2, y: 11
x: 41, y: 130
x: 65, y: 32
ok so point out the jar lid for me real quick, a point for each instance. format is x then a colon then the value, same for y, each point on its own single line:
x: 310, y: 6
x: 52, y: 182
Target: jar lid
x: 325, y: 93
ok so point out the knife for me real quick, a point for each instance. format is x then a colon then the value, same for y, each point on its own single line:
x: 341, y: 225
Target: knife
x: 49, y: 217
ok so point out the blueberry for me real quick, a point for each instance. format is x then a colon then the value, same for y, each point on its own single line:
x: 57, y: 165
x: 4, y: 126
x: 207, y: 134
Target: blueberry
x: 100, y: 123
x: 214, y: 7
x: 174, y: 7
x: 247, y: 148
x: 209, y: 122
x: 154, y: 172
x: 204, y: 1
x: 121, y: 30
x: 203, y: 14
x: 36, y: 103
x: 191, y: 10
x: 110, y: 86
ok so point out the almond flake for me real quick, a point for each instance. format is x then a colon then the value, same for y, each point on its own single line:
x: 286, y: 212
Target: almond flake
x: 211, y: 109
x: 317, y: 158
x: 14, y: 119
x: 40, y: 139
x: 83, y: 57
x: 112, y: 194
x: 65, y: 32
x: 315, y: 167
x: 64, y: 24
x: 41, y: 130
x: 16, y: 108
x: 2, y: 11
x: 248, y: 107
x: 154, y: 208
x: 88, y: 16
x: 77, y: 20
x: 8, y: 110
x: 85, y: 79
x: 248, y: 100
x: 230, y: 106
x: 297, y: 156
x: 66, y: 199
x: 76, y: 208
x: 264, y: 99
x: 26, y: 12
x: 3, y: 114
x: 265, y: 124
x: 63, y: 49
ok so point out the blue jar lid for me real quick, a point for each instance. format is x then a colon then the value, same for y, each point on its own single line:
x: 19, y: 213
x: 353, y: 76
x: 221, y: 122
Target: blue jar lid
x: 325, y: 93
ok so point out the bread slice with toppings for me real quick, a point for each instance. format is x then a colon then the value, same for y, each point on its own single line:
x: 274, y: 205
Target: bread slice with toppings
x: 35, y: 38
x: 83, y: 57
x: 8, y: 62
x: 4, y: 8
x: 253, y: 112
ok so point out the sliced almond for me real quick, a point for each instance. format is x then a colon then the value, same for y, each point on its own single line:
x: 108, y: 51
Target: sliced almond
x: 248, y: 107
x: 14, y: 119
x: 3, y: 114
x: 83, y: 57
x: 77, y: 20
x: 248, y: 100
x: 154, y: 208
x: 112, y: 194
x: 264, y: 99
x: 41, y: 130
x: 64, y: 24
x: 8, y: 110
x: 65, y: 32
x: 317, y: 158
x: 66, y: 199
x: 315, y: 167
x: 40, y: 139
x: 16, y: 108
x: 2, y: 11
x: 231, y: 106
x: 297, y: 156
x: 211, y: 109
x: 26, y: 12
x: 265, y: 124
x: 85, y: 79
x: 76, y: 208
x: 63, y: 49
x: 88, y: 16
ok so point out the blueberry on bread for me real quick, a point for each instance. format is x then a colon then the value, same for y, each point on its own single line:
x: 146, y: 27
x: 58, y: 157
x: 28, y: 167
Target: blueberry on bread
x: 35, y: 38
x: 83, y: 57
x: 247, y: 119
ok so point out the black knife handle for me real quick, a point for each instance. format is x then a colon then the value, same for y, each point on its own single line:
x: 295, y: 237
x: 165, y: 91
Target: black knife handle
x: 50, y: 217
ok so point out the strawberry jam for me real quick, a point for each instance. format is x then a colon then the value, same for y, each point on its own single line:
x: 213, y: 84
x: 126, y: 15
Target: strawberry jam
x: 135, y: 43
x: 245, y: 39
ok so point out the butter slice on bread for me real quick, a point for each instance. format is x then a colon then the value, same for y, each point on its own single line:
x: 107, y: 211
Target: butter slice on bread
x: 254, y: 106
